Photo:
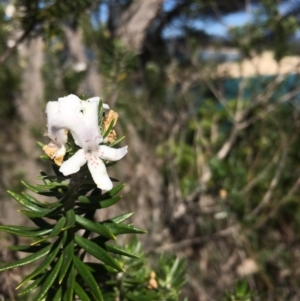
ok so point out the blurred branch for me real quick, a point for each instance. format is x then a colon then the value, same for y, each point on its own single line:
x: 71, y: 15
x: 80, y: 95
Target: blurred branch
x: 226, y: 147
x: 194, y: 241
x: 256, y: 180
x: 217, y: 93
x: 222, y: 153
x: 270, y: 108
x: 9, y: 51
x: 273, y: 184
x: 135, y: 21
x: 239, y: 125
x: 280, y: 203
x: 166, y: 17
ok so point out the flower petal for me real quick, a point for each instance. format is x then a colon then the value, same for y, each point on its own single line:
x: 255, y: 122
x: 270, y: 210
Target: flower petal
x: 90, y: 113
x: 91, y: 136
x: 92, y: 99
x: 99, y: 173
x: 59, y: 156
x: 60, y: 122
x: 70, y: 103
x: 51, y: 108
x: 97, y: 99
x: 111, y: 154
x: 73, y: 164
x: 105, y: 106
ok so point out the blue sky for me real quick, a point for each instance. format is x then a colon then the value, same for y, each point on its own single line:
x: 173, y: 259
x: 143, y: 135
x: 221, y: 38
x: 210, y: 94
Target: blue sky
x: 211, y: 27
x: 215, y: 27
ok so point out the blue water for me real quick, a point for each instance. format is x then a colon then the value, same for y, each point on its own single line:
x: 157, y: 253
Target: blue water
x: 255, y: 85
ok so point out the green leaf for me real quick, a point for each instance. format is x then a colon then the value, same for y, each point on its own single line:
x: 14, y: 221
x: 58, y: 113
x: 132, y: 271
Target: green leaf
x: 29, y: 259
x: 110, y: 202
x: 117, y: 141
x: 44, y: 177
x: 32, y: 214
x: 70, y: 219
x: 55, y: 231
x: 95, y: 203
x: 110, y: 127
x: 41, y: 191
x: 45, y: 264
x: 32, y: 199
x: 35, y: 215
x: 111, y: 193
x: 24, y: 231
x: 84, y: 199
x: 40, y: 144
x: 49, y: 280
x: 118, y: 229
x: 51, y: 185
x: 87, y: 276
x: 98, y: 252
x: 94, y: 227
x: 67, y: 253
x: 58, y: 295
x: 34, y: 188
x: 53, y: 205
x: 69, y: 293
x: 45, y: 157
x: 27, y: 248
x: 56, y: 204
x: 36, y: 283
x: 26, y: 203
x: 121, y: 218
x: 116, y: 250
x: 100, y: 112
x: 81, y: 293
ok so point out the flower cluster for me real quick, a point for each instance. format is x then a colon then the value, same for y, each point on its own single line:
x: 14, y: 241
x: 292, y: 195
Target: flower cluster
x: 80, y: 118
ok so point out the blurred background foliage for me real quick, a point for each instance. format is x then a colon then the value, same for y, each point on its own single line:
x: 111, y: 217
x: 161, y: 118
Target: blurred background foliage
x: 210, y: 111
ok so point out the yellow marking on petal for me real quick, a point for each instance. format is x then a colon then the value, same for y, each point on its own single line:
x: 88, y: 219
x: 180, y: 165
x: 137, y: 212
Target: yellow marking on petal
x: 112, y: 136
x: 111, y: 116
x: 58, y: 160
x: 50, y: 150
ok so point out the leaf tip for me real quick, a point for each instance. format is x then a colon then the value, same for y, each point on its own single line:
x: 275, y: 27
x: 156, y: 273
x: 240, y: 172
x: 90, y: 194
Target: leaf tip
x: 19, y: 285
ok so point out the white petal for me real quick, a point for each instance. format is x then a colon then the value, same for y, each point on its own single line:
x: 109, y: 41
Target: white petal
x: 92, y: 136
x: 90, y: 113
x: 57, y: 135
x: 112, y: 154
x: 70, y: 103
x: 61, y: 151
x: 51, y: 108
x: 79, y: 117
x: 97, y: 99
x: 64, y: 113
x: 66, y: 120
x: 73, y: 164
x: 85, y: 135
x: 94, y: 99
x: 99, y: 174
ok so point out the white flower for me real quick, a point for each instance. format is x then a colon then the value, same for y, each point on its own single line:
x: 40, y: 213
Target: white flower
x: 81, y: 119
x: 93, y: 157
